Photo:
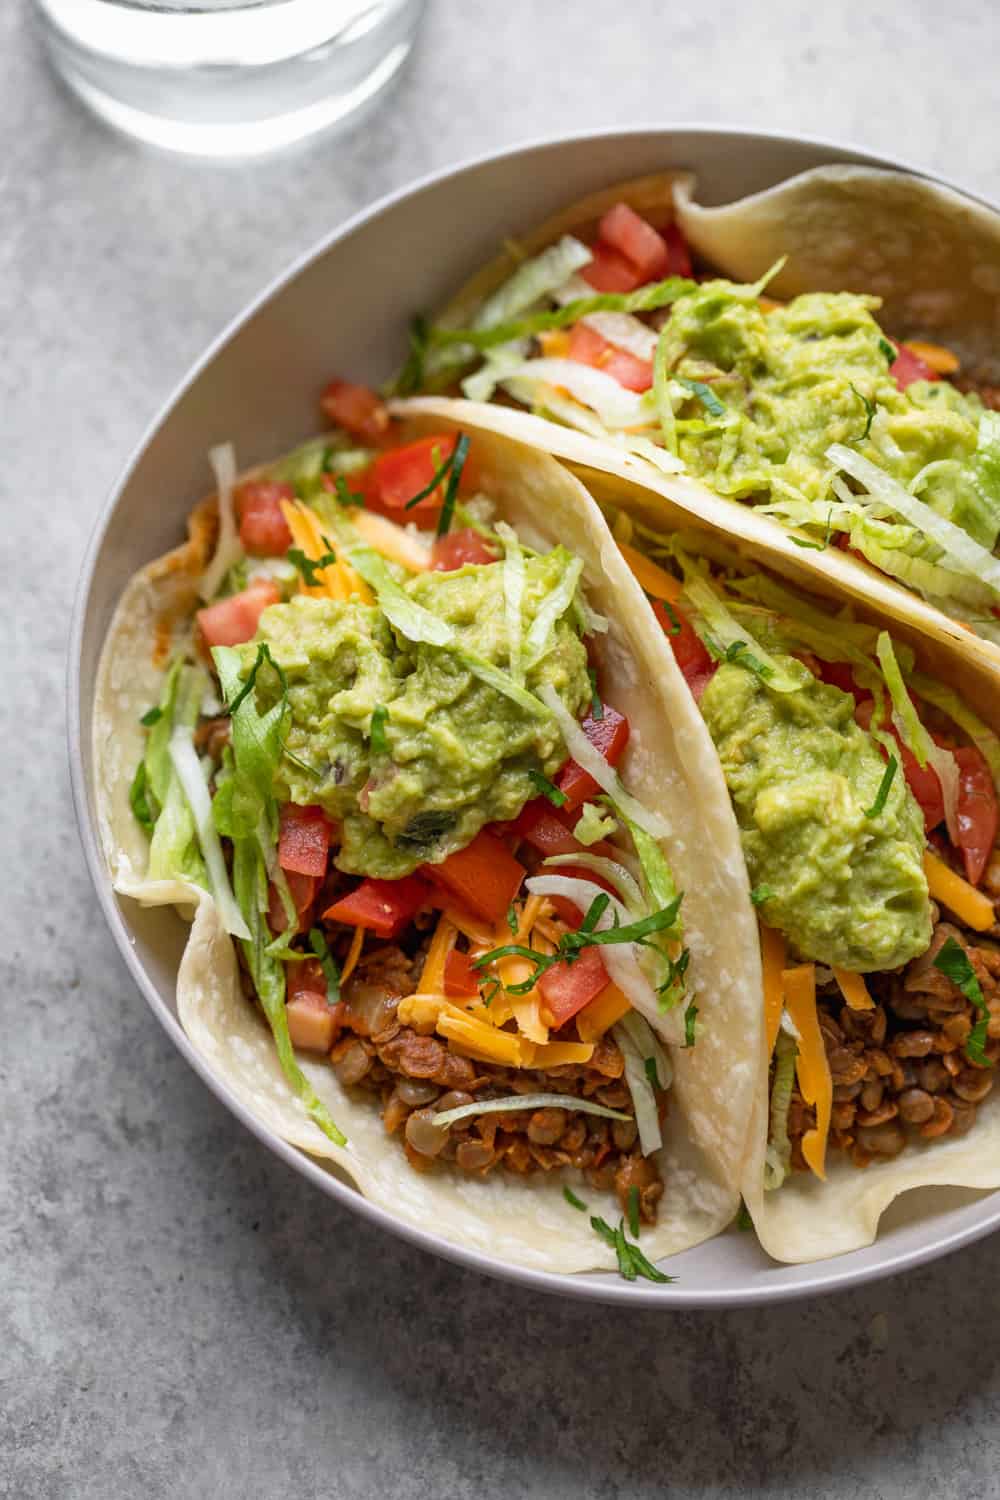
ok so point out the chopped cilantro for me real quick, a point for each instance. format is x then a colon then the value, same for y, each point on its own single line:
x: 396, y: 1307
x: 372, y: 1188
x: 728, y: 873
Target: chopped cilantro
x: 151, y: 716
x: 705, y: 394
x: 743, y: 1219
x: 547, y: 788
x: 671, y: 614
x: 459, y: 455
x: 761, y: 893
x: 573, y: 1200
x: 596, y: 706
x: 319, y: 946
x: 379, y: 743
x: 882, y: 795
x: 739, y: 651
x: 888, y: 350
x: 512, y: 917
x: 818, y: 546
x: 649, y: 1063
x: 953, y: 961
x: 310, y: 568
x: 870, y: 409
x: 263, y: 655
x: 633, y: 1210
x: 631, y: 1261
x: 138, y: 797
x: 345, y: 495
x: 690, y: 1017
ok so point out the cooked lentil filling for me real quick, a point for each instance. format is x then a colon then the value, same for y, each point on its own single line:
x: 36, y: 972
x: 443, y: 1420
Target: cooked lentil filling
x: 900, y: 1072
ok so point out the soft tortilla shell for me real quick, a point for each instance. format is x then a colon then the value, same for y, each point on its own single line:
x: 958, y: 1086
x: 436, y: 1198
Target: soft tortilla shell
x: 931, y: 254
x: 518, y: 1220
x: 808, y: 1220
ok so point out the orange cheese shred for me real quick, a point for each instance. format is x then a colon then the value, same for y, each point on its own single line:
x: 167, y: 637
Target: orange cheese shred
x: 432, y: 974
x: 353, y: 954
x: 940, y: 359
x: 655, y: 580
x: 772, y: 953
x: 948, y: 887
x: 811, y: 1066
x: 854, y: 989
x: 602, y: 1013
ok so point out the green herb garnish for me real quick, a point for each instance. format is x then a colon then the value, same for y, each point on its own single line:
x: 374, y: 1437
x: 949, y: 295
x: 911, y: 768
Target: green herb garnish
x: 743, y: 1219
x: 345, y: 495
x: 819, y: 546
x: 633, y: 1211
x: 690, y: 1017
x: 379, y: 743
x: 512, y: 917
x: 302, y: 764
x: 320, y: 947
x: 548, y: 788
x: 308, y: 567
x: 740, y: 651
x: 459, y: 455
x: 138, y: 798
x: 762, y: 893
x: 672, y: 988
x: 596, y: 706
x: 151, y: 716
x: 705, y: 394
x: 953, y: 961
x: 888, y: 350
x: 263, y: 655
x: 671, y: 614
x: 882, y: 795
x: 631, y: 1261
x: 870, y: 409
x: 649, y: 1064
x: 573, y: 1200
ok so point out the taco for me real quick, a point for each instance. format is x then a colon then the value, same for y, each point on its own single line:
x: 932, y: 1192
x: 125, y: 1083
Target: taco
x: 389, y: 727
x: 863, y: 763
x: 855, y: 418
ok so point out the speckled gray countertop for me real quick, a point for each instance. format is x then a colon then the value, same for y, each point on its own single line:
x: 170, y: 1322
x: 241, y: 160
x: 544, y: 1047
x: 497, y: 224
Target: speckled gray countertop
x: 182, y: 1316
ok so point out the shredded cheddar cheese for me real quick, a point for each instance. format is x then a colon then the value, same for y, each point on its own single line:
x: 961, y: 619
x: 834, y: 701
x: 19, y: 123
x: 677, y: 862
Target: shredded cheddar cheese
x: 948, y: 887
x: 940, y: 359
x: 602, y: 1013
x: 390, y: 540
x: 338, y: 580
x: 811, y: 1066
x: 854, y: 989
x: 432, y: 974
x: 353, y: 954
x: 555, y: 343
x: 655, y: 580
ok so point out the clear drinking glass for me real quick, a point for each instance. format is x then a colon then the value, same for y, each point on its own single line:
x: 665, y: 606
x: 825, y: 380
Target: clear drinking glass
x: 227, y: 77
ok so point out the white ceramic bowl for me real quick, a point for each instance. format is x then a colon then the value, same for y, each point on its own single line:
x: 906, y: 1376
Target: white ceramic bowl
x: 345, y: 307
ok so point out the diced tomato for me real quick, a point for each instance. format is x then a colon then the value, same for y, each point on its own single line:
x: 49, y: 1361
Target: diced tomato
x: 232, y: 621
x: 484, y: 876
x: 625, y: 230
x: 908, y: 367
x: 924, y: 782
x: 460, y: 978
x: 303, y: 839
x: 688, y: 648
x: 459, y: 548
x: 398, y: 475
x: 306, y: 978
x: 589, y: 348
x: 567, y: 987
x: 263, y: 529
x: 977, y: 812
x: 382, y: 906
x: 540, y: 826
x: 303, y: 892
x: 357, y: 409
x: 677, y: 247
x: 839, y: 674
x: 609, y: 271
x: 608, y: 734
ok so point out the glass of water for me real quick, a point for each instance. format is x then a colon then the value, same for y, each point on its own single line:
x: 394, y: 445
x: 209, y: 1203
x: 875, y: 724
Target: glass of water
x: 228, y: 77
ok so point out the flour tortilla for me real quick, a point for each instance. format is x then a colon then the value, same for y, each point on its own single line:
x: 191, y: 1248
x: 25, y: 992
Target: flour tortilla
x: 931, y: 254
x: 670, y: 765
x: 805, y: 1220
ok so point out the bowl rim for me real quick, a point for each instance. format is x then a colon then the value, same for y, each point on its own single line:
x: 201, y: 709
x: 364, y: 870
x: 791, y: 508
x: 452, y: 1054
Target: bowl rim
x: 604, y: 1288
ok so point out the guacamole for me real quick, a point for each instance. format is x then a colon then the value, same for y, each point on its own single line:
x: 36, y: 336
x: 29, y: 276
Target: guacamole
x: 802, y: 376
x: 453, y: 752
x: 847, y: 889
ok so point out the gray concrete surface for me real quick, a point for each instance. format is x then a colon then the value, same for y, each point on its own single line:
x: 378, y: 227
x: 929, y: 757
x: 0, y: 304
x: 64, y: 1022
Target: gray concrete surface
x: 181, y: 1315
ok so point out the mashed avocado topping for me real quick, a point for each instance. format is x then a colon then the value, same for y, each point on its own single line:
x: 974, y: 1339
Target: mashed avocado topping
x: 845, y: 888
x: 810, y: 373
x: 454, y: 752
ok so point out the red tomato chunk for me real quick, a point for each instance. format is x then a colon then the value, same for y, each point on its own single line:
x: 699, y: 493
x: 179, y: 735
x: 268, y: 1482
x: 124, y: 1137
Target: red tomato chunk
x: 232, y: 621
x: 608, y: 734
x: 383, y: 906
x: 458, y: 549
x: 484, y: 876
x: 303, y: 839
x: 263, y: 529
x: 357, y: 409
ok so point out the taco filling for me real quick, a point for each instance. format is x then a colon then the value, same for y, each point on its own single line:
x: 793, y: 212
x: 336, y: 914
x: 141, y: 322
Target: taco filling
x: 385, y: 750
x: 806, y: 410
x: 866, y: 794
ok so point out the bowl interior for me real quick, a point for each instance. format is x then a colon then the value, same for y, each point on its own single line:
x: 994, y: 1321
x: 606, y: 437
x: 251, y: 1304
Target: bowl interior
x: 346, y: 308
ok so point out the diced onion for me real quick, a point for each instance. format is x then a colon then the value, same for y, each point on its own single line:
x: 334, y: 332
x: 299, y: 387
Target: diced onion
x: 628, y: 888
x: 592, y: 761
x: 227, y: 549
x: 192, y: 780
x: 643, y: 1099
x: 616, y: 406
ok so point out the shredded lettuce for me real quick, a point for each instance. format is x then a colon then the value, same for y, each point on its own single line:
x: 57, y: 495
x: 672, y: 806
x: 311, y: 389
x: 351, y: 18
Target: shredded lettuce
x: 778, y: 1156
x: 268, y: 974
x: 593, y: 762
x: 227, y: 549
x: 615, y: 406
x: 611, y: 871
x: 192, y: 781
x: 593, y: 825
x: 948, y: 701
x: 174, y: 851
x: 915, y: 736
x: 513, y: 597
x: 450, y: 1117
x: 647, y: 1116
x: 409, y: 618
x: 725, y: 638
x: 552, y: 608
